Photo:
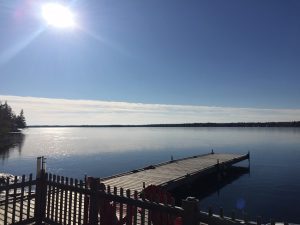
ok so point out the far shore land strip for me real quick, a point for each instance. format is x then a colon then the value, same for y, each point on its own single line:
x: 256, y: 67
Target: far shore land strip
x: 238, y: 124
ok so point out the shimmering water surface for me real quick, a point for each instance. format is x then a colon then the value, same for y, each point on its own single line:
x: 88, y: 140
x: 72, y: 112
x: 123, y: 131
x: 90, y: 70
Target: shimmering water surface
x: 272, y: 188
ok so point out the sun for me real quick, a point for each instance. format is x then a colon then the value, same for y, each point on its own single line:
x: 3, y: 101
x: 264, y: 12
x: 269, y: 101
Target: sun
x: 58, y: 15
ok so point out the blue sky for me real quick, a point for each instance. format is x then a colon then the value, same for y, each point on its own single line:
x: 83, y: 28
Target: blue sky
x: 240, y: 54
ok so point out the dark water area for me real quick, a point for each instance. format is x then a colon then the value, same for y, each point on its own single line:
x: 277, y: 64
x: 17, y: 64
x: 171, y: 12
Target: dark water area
x: 271, y: 189
x: 208, y: 185
x: 9, y: 142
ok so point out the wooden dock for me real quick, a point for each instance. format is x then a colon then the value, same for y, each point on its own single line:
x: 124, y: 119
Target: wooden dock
x: 175, y: 172
x: 58, y: 200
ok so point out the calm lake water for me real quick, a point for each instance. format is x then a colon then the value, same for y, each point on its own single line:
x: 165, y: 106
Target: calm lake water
x: 272, y: 188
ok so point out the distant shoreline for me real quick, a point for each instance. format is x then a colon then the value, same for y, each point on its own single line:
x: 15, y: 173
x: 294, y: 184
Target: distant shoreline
x: 247, y: 124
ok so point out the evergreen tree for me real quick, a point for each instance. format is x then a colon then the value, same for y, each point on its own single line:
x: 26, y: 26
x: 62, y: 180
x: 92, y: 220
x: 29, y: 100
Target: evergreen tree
x: 9, y: 122
x: 20, y: 120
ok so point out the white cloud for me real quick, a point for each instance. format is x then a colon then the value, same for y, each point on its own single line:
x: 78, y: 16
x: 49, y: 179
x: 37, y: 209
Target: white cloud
x: 49, y: 111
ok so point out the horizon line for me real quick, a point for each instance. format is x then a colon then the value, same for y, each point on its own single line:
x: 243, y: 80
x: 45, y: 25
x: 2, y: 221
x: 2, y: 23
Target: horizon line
x: 195, y: 124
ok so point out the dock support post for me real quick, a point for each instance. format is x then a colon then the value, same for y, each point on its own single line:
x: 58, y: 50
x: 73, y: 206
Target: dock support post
x: 248, y: 162
x: 191, y: 211
x: 94, y: 206
x: 249, y: 158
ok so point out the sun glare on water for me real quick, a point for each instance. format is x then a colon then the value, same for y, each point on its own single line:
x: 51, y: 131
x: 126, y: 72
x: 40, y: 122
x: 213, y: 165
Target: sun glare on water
x: 58, y: 15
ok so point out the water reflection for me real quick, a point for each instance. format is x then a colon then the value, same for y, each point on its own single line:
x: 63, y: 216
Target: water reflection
x: 11, y: 142
x: 210, y: 185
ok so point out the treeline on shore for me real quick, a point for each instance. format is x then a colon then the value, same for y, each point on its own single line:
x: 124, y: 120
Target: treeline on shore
x: 241, y: 124
x: 9, y: 121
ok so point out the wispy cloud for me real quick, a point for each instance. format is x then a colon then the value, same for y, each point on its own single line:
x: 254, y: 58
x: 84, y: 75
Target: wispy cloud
x: 52, y: 111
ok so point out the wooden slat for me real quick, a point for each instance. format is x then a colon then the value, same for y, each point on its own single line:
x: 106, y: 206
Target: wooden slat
x: 29, y: 197
x: 48, y: 177
x: 61, y: 200
x: 114, y: 203
x: 52, y: 197
x: 66, y: 203
x: 129, y: 210
x: 57, y: 192
x: 149, y: 214
x: 80, y: 203
x: 22, y: 198
x: 14, y: 201
x: 135, y: 196
x: 75, y: 203
x: 143, y: 212
x: 86, y: 206
x: 70, y: 203
x: 121, y: 204
x: 6, y: 200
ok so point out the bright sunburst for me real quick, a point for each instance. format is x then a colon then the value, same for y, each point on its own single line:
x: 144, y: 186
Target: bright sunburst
x: 58, y: 15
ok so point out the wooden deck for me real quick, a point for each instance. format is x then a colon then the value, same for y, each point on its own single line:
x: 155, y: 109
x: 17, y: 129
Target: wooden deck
x: 174, y: 173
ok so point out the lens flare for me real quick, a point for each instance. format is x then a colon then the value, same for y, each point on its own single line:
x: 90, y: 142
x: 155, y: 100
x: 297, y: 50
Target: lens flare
x: 58, y: 15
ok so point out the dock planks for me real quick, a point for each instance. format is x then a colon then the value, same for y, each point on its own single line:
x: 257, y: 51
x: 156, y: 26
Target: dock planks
x: 174, y: 173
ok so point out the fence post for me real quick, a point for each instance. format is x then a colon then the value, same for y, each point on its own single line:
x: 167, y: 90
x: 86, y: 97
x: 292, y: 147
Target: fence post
x: 40, y: 192
x: 191, y: 211
x: 94, y: 206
